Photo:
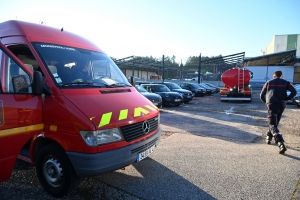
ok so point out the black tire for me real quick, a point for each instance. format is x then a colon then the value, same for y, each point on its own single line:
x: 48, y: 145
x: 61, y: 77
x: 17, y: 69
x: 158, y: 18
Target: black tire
x: 194, y: 94
x: 54, y: 171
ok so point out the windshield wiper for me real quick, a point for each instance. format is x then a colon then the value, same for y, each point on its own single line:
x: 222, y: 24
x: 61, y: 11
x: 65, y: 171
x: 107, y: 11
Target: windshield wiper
x: 118, y: 85
x: 97, y: 84
x: 77, y: 83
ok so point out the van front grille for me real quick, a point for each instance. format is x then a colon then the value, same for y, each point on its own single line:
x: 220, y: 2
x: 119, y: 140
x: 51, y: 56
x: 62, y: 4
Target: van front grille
x: 135, y: 131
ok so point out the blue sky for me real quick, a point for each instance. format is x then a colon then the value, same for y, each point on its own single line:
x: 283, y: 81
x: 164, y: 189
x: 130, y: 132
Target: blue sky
x: 166, y: 27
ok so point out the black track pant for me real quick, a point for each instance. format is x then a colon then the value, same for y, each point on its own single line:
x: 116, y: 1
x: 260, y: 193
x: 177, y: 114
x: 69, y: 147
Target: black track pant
x: 275, y: 111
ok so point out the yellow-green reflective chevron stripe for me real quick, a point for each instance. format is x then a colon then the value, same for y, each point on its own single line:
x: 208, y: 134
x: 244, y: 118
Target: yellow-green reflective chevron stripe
x: 123, y: 114
x: 139, y: 110
x: 105, y: 119
x: 150, y: 107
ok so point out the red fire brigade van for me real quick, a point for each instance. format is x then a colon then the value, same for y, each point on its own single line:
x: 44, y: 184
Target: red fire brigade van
x: 67, y: 108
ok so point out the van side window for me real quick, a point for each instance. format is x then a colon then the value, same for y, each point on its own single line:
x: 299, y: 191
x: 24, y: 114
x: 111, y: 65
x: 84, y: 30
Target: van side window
x: 25, y: 55
x: 14, y: 78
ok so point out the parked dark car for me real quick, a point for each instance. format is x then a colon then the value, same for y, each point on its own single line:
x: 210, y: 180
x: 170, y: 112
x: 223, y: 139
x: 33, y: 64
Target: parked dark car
x: 137, y: 80
x: 213, y: 86
x: 186, y: 94
x: 296, y: 99
x: 154, y: 98
x: 195, y: 88
x: 209, y: 90
x: 168, y: 97
x: 297, y: 87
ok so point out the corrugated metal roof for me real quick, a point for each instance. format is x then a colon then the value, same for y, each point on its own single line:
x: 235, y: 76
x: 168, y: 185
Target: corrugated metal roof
x: 284, y: 58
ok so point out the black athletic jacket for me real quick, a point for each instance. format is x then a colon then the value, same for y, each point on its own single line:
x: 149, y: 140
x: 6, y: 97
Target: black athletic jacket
x: 274, y: 91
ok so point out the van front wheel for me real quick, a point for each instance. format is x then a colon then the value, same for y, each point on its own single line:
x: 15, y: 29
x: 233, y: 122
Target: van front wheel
x: 54, y: 171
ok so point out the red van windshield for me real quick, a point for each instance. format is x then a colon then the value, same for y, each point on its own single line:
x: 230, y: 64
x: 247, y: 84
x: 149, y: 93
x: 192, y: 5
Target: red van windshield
x: 71, y: 67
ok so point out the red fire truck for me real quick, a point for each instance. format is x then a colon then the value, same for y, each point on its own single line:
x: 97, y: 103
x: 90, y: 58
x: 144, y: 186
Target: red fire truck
x: 236, y: 85
x: 67, y: 108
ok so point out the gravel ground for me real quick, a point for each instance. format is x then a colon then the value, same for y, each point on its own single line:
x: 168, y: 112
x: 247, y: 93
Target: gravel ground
x: 24, y: 183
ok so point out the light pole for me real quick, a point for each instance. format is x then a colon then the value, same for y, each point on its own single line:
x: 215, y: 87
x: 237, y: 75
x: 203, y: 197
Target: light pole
x: 163, y: 66
x: 181, y: 71
x: 199, y: 70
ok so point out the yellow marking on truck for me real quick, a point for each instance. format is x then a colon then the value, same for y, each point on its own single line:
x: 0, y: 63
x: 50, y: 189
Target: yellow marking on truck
x: 123, y: 114
x: 151, y: 108
x: 53, y: 128
x: 20, y: 130
x: 138, y: 111
x: 105, y: 119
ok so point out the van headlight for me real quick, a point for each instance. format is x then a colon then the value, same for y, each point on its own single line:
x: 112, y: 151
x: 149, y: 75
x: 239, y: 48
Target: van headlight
x: 95, y: 138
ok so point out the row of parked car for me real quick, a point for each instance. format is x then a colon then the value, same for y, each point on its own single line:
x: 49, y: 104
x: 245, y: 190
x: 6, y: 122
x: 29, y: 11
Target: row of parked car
x: 296, y: 99
x: 173, y: 94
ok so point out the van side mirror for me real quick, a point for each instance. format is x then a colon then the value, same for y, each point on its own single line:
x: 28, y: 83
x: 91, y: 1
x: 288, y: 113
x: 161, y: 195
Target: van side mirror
x: 21, y: 83
x: 37, y: 83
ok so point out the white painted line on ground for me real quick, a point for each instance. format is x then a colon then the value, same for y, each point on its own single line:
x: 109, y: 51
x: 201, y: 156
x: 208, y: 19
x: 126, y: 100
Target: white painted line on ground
x: 230, y: 111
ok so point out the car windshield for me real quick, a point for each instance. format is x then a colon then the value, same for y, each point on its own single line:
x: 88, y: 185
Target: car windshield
x: 173, y: 86
x: 205, y: 86
x: 74, y: 67
x: 210, y: 85
x: 196, y: 85
x: 161, y: 88
x: 141, y: 89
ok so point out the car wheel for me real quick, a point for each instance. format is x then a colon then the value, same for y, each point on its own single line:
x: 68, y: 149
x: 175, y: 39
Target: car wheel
x: 194, y: 94
x: 54, y: 171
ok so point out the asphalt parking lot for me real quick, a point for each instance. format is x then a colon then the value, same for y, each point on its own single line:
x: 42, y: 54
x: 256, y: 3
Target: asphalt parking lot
x: 209, y: 150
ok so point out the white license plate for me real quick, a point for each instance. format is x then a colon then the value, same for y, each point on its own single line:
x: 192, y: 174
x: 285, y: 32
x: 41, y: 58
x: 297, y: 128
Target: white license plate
x: 145, y: 154
x: 176, y: 100
x: 189, y: 97
x: 155, y: 103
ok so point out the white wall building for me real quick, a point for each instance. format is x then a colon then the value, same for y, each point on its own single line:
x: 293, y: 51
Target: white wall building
x: 281, y: 43
x: 283, y: 54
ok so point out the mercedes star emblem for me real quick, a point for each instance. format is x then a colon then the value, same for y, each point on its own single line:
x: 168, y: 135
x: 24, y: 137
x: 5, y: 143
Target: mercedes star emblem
x: 146, y: 127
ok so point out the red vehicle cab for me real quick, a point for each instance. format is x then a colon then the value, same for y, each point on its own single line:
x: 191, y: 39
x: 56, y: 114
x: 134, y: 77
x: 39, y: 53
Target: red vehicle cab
x: 67, y: 108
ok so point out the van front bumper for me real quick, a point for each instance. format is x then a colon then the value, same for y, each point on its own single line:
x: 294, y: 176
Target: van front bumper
x: 86, y: 165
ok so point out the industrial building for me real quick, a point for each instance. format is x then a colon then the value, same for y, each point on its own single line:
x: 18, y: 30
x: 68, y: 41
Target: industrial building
x: 281, y: 54
x: 281, y: 43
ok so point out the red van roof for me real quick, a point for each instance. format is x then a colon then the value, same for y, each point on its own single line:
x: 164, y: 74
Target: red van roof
x: 42, y: 33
